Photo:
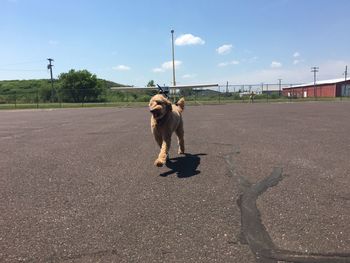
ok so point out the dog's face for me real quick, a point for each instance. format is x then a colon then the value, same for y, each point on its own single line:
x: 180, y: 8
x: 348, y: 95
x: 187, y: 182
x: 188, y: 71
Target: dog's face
x: 159, y: 106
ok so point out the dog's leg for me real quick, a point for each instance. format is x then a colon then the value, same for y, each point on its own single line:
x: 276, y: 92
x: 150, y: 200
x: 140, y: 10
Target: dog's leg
x: 163, y: 152
x: 180, y: 138
x: 158, y: 138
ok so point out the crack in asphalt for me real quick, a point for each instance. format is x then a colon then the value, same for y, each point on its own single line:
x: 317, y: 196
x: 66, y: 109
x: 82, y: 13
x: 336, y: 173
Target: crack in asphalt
x: 61, y: 258
x: 254, y: 232
x: 300, y: 257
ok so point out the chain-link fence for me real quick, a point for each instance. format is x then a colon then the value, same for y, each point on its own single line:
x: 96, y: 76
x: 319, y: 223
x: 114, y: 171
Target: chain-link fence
x: 56, y: 97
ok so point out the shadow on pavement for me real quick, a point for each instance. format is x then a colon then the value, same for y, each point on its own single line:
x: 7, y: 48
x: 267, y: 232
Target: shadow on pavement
x: 183, y: 166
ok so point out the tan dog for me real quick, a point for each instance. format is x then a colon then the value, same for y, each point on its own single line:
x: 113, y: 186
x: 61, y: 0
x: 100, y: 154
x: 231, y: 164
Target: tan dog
x: 166, y: 119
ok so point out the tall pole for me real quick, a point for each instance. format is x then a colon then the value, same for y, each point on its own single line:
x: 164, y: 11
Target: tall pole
x: 267, y: 92
x: 315, y: 70
x: 346, y: 72
x: 172, y: 45
x: 346, y: 75
x: 279, y: 85
x: 50, y: 68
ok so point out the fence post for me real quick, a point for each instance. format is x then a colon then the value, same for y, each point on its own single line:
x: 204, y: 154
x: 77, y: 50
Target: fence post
x: 267, y: 92
x: 60, y: 97
x: 195, y: 95
x: 37, y: 97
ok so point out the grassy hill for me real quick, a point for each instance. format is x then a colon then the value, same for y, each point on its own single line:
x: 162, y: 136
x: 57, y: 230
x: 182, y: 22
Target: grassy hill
x: 8, y: 86
x: 33, y: 90
x: 110, y: 84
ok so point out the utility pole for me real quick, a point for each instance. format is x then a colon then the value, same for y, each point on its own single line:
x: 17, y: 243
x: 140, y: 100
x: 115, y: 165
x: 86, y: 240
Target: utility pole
x: 267, y: 92
x: 172, y: 44
x: 315, y: 70
x: 346, y: 72
x: 49, y: 66
x: 279, y: 85
x: 343, y: 92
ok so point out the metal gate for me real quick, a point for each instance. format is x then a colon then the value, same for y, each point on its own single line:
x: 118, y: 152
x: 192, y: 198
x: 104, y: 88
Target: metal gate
x: 345, y: 90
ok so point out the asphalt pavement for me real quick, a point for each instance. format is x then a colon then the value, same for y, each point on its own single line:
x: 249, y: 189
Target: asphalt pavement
x: 258, y: 183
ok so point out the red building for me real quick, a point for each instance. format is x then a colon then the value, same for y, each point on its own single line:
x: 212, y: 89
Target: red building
x: 324, y: 88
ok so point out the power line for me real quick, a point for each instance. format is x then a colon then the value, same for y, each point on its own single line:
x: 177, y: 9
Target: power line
x: 2, y: 69
x: 21, y: 63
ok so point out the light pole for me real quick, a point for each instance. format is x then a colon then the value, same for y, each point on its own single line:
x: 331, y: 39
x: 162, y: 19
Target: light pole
x: 172, y: 45
x: 279, y: 87
x: 50, y: 68
x: 343, y: 91
x: 315, y: 70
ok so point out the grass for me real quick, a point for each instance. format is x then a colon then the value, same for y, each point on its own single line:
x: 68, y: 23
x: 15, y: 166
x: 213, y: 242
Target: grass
x: 70, y: 105
x: 222, y: 100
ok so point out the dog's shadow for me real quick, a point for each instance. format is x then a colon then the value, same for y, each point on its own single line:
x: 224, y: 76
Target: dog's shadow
x: 183, y: 166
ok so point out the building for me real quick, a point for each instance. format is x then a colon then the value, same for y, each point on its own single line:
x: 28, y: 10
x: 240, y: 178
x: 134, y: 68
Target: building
x: 324, y: 88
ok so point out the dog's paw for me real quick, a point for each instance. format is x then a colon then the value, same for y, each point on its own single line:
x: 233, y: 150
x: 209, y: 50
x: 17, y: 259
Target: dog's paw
x: 180, y: 151
x: 159, y: 163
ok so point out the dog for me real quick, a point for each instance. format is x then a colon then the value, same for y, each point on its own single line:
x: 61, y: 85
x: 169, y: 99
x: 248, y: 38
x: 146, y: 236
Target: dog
x: 166, y: 119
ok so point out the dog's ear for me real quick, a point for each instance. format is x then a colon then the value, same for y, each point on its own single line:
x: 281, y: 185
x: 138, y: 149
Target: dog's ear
x: 181, y: 103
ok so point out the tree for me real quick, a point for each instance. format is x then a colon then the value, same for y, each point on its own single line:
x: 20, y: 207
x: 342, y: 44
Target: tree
x: 187, y: 92
x: 150, y: 83
x: 80, y: 86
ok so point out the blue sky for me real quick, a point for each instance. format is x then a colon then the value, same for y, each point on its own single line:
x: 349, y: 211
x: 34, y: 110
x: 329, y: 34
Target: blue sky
x: 243, y: 42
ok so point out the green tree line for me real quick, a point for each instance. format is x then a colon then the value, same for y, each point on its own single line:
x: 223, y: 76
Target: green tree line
x: 73, y: 86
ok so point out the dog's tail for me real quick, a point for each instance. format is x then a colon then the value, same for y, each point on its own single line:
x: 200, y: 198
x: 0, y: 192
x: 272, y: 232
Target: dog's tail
x: 181, y: 104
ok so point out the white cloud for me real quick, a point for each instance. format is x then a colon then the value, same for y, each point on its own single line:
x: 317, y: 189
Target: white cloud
x: 189, y: 76
x: 276, y: 64
x: 122, y: 68
x: 53, y: 42
x: 224, y: 64
x: 167, y: 65
x: 295, y: 75
x: 297, y: 58
x: 224, y: 49
x: 189, y: 39
x: 156, y: 70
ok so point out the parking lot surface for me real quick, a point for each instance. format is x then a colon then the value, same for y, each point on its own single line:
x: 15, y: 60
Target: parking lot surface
x: 79, y: 185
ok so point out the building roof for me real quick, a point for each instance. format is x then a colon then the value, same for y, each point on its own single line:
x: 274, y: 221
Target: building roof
x: 132, y: 88
x: 320, y: 82
x: 210, y: 85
